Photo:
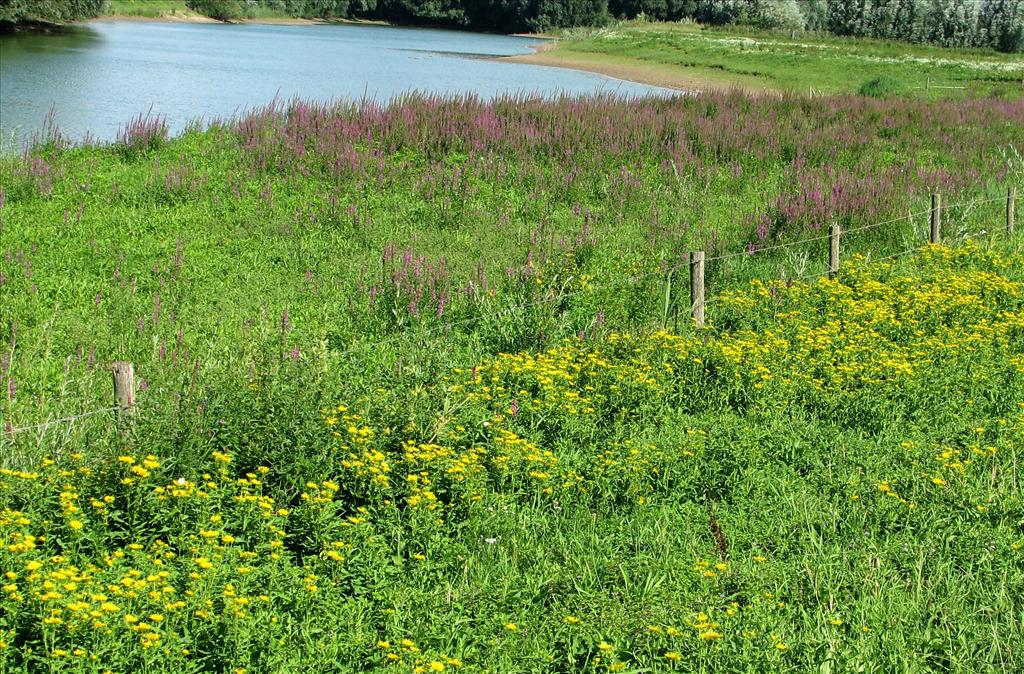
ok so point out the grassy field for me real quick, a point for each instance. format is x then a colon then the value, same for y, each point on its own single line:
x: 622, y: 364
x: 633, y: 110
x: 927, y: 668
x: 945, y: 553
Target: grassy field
x: 691, y: 56
x: 418, y: 392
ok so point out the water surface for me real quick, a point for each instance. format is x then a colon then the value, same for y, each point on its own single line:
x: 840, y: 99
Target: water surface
x: 97, y: 76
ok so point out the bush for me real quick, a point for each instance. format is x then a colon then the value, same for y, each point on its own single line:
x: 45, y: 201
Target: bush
x: 882, y: 86
x: 222, y: 10
x: 783, y: 14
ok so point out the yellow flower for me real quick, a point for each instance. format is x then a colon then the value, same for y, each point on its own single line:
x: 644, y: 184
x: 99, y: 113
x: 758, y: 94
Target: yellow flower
x: 511, y: 627
x: 673, y: 656
x: 436, y: 666
x: 571, y: 620
x: 605, y: 646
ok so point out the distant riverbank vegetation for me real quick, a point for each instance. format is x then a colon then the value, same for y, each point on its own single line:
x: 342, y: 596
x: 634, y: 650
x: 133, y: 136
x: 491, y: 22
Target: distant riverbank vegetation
x: 953, y: 23
x: 40, y: 12
x: 998, y: 24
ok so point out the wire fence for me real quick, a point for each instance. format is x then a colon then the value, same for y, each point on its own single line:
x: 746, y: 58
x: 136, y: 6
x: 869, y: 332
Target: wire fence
x: 633, y: 279
x: 66, y: 420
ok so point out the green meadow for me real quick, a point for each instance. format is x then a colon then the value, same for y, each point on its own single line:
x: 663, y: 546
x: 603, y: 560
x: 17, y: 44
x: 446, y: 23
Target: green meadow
x: 419, y: 391
x: 690, y: 55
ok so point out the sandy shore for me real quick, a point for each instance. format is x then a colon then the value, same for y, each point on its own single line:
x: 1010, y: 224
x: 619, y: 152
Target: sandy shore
x: 166, y: 18
x: 665, y: 76
x: 193, y: 17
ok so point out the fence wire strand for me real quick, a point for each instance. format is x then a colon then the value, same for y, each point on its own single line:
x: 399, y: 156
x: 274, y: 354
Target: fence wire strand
x: 65, y: 420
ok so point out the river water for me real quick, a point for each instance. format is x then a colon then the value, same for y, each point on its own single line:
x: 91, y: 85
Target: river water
x: 98, y: 76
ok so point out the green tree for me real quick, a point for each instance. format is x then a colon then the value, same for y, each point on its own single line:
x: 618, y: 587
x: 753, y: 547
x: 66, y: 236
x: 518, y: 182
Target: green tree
x: 14, y: 12
x: 222, y: 10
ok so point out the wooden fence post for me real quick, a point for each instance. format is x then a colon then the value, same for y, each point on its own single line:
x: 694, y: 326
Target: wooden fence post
x: 124, y: 387
x: 833, y: 249
x: 1011, y: 206
x: 697, y: 287
x: 935, y: 234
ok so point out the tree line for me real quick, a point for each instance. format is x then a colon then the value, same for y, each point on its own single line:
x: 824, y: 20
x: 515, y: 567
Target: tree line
x: 15, y: 12
x: 953, y: 23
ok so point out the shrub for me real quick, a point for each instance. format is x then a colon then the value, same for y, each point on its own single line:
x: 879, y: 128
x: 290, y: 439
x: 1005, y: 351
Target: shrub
x: 882, y: 86
x: 222, y: 10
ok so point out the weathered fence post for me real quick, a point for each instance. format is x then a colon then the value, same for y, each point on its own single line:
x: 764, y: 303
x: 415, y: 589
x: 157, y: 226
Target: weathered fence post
x: 124, y: 387
x: 1011, y: 206
x: 935, y: 235
x: 697, y: 287
x: 833, y: 249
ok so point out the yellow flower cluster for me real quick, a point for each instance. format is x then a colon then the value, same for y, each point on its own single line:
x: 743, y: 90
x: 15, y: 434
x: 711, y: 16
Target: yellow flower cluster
x: 122, y: 552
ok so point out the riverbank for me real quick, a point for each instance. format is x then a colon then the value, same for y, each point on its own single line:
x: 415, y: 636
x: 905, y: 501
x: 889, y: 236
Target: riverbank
x: 407, y: 399
x: 633, y: 70
x: 692, y: 57
x: 193, y: 17
x: 176, y: 11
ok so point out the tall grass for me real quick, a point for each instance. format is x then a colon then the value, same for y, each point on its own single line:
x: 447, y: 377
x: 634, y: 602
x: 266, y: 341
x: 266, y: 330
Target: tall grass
x: 466, y: 291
